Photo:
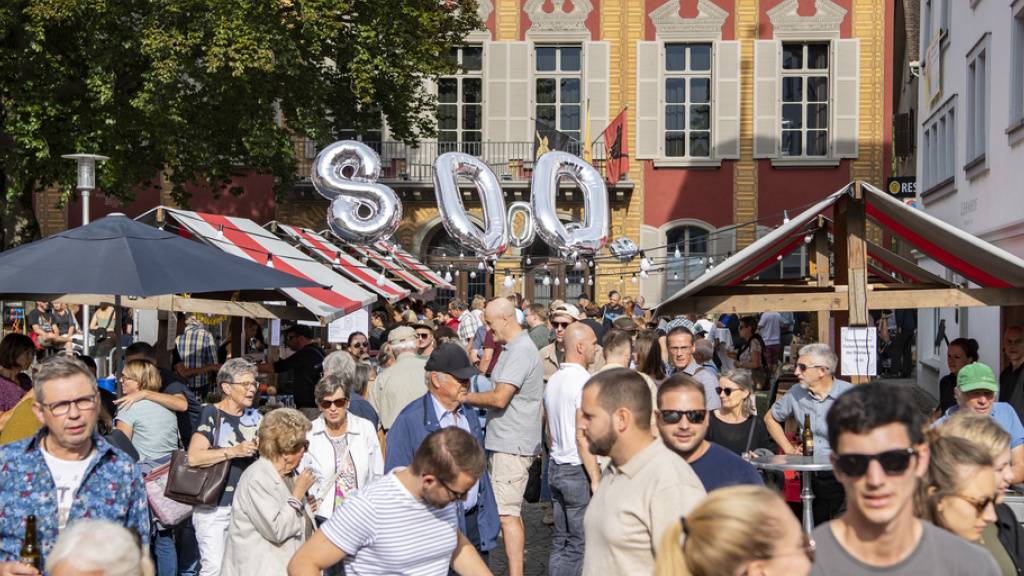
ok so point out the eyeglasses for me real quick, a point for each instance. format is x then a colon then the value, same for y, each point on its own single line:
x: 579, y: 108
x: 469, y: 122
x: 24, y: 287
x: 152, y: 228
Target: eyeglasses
x: 455, y: 495
x: 727, y: 391
x: 82, y: 404
x: 893, y: 462
x: 302, y: 447
x: 674, y: 416
x: 804, y: 367
x: 358, y: 345
x: 339, y: 403
x: 246, y: 384
x: 979, y: 505
x: 807, y: 548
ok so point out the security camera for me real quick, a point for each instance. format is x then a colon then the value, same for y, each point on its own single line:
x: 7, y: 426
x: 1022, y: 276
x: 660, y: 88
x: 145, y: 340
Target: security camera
x: 915, y: 68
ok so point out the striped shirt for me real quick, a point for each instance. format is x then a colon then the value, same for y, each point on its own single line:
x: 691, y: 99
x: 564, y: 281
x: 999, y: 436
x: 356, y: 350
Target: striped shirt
x: 383, y: 530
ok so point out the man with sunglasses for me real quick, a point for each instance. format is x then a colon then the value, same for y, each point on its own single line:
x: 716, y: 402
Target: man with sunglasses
x: 65, y: 472
x: 817, y: 392
x: 448, y: 375
x: 552, y: 355
x: 424, y: 338
x: 407, y: 521
x: 683, y: 423
x: 880, y: 455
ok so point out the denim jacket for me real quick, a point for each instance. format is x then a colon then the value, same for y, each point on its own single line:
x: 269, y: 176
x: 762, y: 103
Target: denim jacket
x: 112, y: 489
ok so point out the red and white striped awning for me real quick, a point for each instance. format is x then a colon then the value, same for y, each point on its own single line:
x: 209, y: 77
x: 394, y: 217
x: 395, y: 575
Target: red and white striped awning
x: 414, y: 280
x: 245, y: 238
x: 333, y: 256
x: 410, y: 262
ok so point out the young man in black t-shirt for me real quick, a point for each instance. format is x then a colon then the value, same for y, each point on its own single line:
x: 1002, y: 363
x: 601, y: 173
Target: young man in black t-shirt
x: 305, y: 365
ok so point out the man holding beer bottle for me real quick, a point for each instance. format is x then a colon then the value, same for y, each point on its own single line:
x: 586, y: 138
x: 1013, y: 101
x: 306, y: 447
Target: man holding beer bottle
x: 65, y: 472
x: 811, y: 401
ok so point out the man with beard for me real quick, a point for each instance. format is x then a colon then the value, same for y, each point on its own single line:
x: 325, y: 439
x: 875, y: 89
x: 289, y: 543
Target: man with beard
x: 646, y: 489
x: 683, y: 423
x: 406, y: 522
x: 817, y: 392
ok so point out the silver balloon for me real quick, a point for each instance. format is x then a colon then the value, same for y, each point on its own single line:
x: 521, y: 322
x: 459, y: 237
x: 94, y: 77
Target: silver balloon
x: 448, y: 168
x: 592, y: 234
x: 362, y: 211
x: 528, y: 232
x: 623, y: 249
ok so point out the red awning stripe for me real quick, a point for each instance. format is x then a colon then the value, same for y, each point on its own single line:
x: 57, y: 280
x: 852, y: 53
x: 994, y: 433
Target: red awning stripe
x: 966, y: 269
x: 357, y: 272
x: 257, y: 253
x: 411, y: 262
x: 772, y: 258
x: 407, y: 276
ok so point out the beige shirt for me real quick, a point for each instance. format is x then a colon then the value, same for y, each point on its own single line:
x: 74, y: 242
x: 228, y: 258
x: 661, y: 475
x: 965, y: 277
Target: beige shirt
x: 632, y: 508
x: 397, y: 386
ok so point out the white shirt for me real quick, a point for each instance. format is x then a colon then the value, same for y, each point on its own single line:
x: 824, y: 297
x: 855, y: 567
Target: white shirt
x: 562, y: 398
x: 67, y: 477
x: 768, y: 327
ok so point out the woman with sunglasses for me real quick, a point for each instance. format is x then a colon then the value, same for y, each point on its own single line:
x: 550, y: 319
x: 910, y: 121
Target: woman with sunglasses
x: 734, y: 425
x: 269, y: 516
x: 344, y: 452
x: 959, y: 490
x: 736, y: 530
x: 1005, y: 538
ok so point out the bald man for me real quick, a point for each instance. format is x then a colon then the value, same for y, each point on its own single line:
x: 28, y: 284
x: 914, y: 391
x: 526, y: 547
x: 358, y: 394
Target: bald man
x: 573, y: 471
x: 513, y: 422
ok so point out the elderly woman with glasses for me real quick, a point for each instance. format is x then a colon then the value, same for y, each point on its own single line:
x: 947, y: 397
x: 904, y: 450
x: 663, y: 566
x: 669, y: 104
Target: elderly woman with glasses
x: 269, y: 517
x: 344, y: 452
x: 225, y: 431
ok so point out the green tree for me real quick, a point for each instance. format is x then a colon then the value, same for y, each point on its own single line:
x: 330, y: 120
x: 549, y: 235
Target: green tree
x: 199, y: 88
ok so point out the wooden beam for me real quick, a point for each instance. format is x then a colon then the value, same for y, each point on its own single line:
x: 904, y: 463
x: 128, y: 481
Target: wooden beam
x: 822, y: 275
x: 754, y: 303
x: 198, y: 305
x: 946, y: 298
x: 907, y: 266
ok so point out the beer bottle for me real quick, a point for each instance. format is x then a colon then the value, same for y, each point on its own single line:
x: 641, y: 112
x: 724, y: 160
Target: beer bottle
x: 807, y: 437
x: 29, y: 548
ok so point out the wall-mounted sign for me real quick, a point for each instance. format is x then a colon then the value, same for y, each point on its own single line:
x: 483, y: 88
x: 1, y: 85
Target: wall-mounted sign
x: 902, y: 186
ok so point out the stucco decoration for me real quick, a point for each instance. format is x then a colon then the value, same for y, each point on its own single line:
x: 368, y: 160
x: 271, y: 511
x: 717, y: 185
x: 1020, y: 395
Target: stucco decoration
x: 706, y: 25
x: 786, y: 22
x: 558, y: 20
x: 484, y: 9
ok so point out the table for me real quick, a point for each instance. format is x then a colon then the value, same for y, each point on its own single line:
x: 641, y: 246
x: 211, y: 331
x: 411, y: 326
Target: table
x: 805, y: 465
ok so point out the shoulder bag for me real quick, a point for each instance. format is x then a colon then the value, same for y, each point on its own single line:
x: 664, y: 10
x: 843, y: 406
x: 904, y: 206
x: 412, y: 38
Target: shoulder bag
x: 193, y: 485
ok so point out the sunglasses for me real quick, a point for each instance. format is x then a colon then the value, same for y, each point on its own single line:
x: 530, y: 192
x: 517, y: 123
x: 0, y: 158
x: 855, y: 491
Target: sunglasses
x: 979, y: 505
x: 893, y: 462
x: 727, y: 391
x: 674, y: 416
x: 339, y: 403
x: 358, y: 345
x: 804, y: 367
x: 423, y: 335
x: 560, y: 324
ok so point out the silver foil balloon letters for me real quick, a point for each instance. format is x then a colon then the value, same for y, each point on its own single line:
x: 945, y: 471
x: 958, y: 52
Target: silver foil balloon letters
x: 525, y: 235
x: 592, y: 233
x: 448, y: 168
x: 362, y: 210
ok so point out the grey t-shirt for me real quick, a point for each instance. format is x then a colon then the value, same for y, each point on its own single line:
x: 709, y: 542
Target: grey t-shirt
x: 516, y: 429
x: 154, y: 429
x: 938, y: 552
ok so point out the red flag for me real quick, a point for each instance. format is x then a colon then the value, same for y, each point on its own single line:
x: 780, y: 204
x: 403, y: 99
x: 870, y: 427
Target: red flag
x: 616, y: 147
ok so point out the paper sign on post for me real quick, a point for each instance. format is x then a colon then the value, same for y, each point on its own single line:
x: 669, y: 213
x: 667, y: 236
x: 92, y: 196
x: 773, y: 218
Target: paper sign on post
x: 339, y: 330
x: 275, y: 332
x: 859, y: 351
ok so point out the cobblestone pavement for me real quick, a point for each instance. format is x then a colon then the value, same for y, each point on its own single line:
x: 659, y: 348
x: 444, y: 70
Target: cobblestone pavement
x: 538, y: 544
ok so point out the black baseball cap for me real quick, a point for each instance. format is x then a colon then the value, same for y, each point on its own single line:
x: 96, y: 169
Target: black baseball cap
x: 451, y: 359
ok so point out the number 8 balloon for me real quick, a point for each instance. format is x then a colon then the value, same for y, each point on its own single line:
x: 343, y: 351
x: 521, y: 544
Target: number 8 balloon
x: 592, y: 233
x: 362, y: 211
x: 493, y: 239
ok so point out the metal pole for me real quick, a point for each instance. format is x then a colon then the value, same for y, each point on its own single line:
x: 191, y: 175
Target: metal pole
x: 86, y: 183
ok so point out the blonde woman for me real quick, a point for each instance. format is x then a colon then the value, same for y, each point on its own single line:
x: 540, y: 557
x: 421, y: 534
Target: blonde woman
x: 734, y: 425
x: 737, y: 530
x: 959, y: 490
x: 1004, y: 539
x: 269, y: 518
x: 152, y: 428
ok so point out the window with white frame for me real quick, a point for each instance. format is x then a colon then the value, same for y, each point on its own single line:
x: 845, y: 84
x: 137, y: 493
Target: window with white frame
x: 977, y: 102
x: 688, y: 100
x: 692, y: 244
x: 558, y: 88
x: 1017, y: 73
x: 460, y: 103
x: 939, y: 147
x: 805, y: 99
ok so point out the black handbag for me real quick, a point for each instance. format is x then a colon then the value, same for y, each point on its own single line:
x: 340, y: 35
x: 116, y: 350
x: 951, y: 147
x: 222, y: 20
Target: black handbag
x: 532, y: 492
x: 196, y: 486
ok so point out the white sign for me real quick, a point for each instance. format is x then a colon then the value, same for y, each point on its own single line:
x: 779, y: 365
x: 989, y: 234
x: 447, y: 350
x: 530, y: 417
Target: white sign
x: 339, y: 330
x: 275, y: 332
x: 933, y: 68
x: 858, y: 348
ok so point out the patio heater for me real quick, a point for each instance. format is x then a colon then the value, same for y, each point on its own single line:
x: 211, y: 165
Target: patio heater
x: 86, y: 184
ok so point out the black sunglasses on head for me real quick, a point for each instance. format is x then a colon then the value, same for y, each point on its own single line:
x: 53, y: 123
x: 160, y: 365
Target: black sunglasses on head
x: 893, y: 462
x: 674, y: 416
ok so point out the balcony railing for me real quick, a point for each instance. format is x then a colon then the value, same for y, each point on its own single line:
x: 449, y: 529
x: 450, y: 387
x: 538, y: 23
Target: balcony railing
x: 414, y: 163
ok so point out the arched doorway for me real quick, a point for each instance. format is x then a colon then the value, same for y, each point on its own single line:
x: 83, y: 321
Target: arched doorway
x: 442, y: 252
x: 543, y: 266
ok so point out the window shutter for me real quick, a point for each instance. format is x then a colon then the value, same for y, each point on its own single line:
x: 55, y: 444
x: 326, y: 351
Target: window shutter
x: 648, y: 100
x: 726, y: 95
x: 520, y: 93
x: 597, y: 55
x: 845, y: 97
x: 496, y: 90
x: 766, y: 98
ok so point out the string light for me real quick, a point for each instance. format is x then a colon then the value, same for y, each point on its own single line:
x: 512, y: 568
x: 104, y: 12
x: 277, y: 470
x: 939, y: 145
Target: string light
x: 472, y: 274
x: 481, y: 265
x: 220, y: 232
x: 448, y: 276
x: 546, y: 281
x: 557, y: 281
x: 380, y: 279
x: 677, y: 253
x: 509, y: 281
x: 529, y: 260
x: 785, y: 216
x: 270, y: 260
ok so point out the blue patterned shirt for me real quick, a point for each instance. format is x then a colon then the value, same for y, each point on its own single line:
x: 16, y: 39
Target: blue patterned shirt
x: 112, y: 489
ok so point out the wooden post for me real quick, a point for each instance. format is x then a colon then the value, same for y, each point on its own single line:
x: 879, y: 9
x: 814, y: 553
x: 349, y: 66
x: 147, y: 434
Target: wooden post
x: 851, y: 256
x: 821, y: 269
x: 237, y: 336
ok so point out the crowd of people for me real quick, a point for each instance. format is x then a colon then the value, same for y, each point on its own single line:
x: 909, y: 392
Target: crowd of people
x: 412, y: 449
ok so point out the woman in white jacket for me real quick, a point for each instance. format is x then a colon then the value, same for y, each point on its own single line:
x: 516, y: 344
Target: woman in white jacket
x: 344, y: 453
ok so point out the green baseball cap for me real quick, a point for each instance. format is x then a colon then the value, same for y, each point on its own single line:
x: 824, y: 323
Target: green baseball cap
x: 976, y: 376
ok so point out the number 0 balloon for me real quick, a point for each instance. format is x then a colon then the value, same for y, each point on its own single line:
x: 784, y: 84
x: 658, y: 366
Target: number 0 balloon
x: 448, y: 168
x: 362, y: 211
x: 592, y: 233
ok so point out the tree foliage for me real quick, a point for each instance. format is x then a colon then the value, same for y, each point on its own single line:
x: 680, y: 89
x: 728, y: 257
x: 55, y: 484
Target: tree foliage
x: 198, y: 88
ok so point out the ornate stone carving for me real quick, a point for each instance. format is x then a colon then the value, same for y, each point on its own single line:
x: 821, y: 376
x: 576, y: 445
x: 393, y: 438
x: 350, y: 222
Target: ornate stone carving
x: 707, y: 25
x: 786, y: 22
x: 558, y: 20
x: 484, y: 9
